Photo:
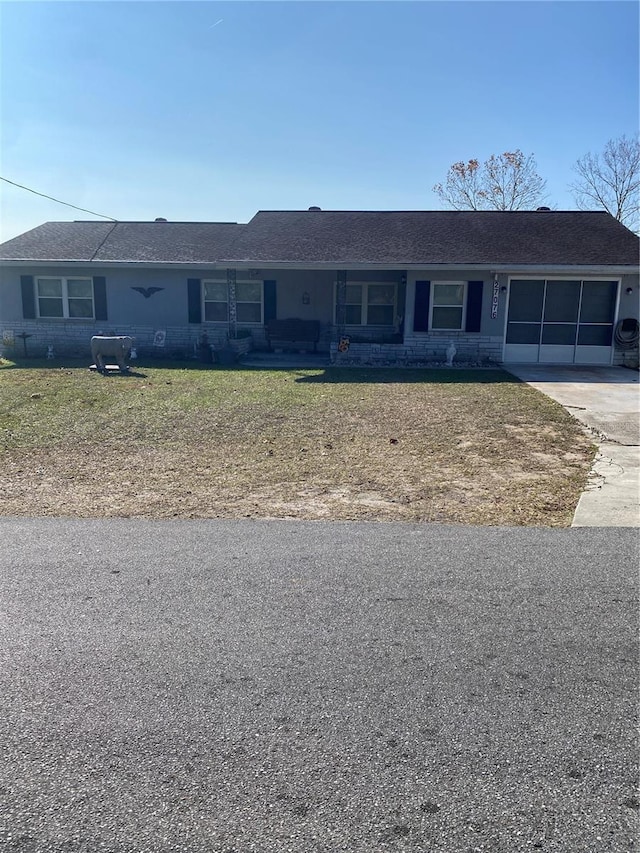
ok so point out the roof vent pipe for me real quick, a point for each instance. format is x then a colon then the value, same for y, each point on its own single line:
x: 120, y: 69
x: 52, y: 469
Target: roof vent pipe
x: 315, y: 208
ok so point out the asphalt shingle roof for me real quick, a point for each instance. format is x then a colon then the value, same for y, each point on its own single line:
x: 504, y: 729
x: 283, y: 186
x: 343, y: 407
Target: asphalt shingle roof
x: 343, y: 237
x: 437, y: 237
x: 151, y: 242
x: 69, y: 241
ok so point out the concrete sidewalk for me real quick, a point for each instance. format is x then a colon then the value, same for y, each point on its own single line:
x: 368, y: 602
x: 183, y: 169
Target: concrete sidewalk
x: 607, y: 401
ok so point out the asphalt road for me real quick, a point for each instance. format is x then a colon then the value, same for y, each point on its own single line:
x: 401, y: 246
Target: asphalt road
x: 290, y: 686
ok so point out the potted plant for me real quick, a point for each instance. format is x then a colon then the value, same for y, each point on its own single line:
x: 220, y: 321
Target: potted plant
x: 242, y: 342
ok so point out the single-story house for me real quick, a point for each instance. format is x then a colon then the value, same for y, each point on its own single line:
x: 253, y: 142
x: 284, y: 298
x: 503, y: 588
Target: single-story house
x: 528, y: 286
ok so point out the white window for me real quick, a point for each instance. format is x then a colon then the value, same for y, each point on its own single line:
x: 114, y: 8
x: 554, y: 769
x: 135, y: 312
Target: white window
x: 371, y: 304
x: 216, y: 307
x: 448, y: 299
x: 249, y: 300
x: 68, y: 298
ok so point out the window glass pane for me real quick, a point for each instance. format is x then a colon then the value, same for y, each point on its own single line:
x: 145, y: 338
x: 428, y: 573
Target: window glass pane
x: 80, y: 287
x: 354, y: 294
x: 353, y: 315
x: 525, y: 301
x: 381, y: 294
x: 81, y: 308
x: 447, y: 318
x: 598, y: 301
x: 595, y: 336
x: 249, y: 291
x: 216, y: 291
x: 448, y: 294
x: 50, y: 307
x: 560, y: 333
x: 380, y: 315
x: 215, y: 312
x: 50, y: 287
x: 561, y: 301
x: 523, y: 333
x: 249, y: 312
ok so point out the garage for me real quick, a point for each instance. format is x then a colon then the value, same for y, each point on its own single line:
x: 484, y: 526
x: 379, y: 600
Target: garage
x: 561, y: 321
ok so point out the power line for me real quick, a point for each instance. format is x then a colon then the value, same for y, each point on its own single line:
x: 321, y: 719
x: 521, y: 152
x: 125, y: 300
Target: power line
x: 51, y: 198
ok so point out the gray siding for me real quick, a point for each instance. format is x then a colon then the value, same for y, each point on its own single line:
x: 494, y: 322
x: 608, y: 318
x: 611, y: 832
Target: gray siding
x: 630, y: 302
x: 129, y: 312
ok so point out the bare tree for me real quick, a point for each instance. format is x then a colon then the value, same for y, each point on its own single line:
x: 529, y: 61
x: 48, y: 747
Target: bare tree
x: 611, y: 181
x: 509, y: 181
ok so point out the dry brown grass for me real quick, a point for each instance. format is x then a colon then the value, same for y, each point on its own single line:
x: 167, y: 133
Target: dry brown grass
x: 385, y: 445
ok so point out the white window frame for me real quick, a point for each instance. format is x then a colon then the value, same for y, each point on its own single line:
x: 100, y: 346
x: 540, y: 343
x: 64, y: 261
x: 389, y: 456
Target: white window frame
x: 364, y: 307
x: 203, y: 301
x: 64, y: 297
x: 432, y: 305
x: 238, y: 301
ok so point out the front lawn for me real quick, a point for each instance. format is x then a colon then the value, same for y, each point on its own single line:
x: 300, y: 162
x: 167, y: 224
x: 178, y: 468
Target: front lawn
x: 392, y: 445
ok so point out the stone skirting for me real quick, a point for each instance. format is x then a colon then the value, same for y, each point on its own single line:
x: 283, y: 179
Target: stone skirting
x: 72, y: 339
x: 472, y: 349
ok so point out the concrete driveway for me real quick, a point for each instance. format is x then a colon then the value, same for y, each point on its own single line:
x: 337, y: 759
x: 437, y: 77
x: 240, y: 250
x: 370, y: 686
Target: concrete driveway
x: 607, y: 401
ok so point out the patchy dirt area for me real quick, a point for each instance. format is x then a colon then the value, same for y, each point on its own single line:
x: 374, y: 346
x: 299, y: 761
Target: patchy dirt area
x: 381, y: 445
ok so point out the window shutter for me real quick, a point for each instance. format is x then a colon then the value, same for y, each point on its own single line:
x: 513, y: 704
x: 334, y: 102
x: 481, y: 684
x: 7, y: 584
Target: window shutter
x: 100, y: 297
x: 270, y: 301
x: 195, y: 304
x: 421, y: 306
x: 474, y: 306
x: 28, y: 297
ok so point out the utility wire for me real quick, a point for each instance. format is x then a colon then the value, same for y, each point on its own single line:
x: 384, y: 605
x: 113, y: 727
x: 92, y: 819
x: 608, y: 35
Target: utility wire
x: 51, y: 198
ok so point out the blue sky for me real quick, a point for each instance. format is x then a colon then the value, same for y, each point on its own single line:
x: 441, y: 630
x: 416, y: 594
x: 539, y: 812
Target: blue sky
x: 211, y: 111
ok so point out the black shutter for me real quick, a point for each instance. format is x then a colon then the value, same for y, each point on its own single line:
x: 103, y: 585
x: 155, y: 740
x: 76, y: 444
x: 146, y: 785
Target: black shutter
x: 28, y: 297
x: 100, y: 297
x: 270, y: 302
x: 474, y: 306
x: 195, y: 304
x: 421, y: 306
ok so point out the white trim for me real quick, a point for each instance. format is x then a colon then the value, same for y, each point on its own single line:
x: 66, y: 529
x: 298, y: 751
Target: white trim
x: 364, y: 306
x: 519, y: 270
x: 64, y: 296
x: 432, y: 305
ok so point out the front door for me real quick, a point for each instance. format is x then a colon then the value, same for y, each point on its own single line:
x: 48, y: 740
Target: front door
x: 560, y: 321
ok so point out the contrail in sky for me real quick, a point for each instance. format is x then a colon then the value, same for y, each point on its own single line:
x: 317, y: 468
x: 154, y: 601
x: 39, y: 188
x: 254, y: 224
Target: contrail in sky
x: 216, y: 23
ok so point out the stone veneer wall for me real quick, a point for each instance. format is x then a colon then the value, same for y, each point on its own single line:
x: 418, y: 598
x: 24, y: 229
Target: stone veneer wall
x: 73, y: 338
x: 627, y: 358
x: 472, y: 349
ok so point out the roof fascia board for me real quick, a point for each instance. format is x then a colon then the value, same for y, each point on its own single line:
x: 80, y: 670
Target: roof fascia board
x: 427, y: 265
x: 155, y: 265
x: 609, y: 269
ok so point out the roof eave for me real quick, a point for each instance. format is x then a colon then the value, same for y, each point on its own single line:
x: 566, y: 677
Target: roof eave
x: 403, y: 265
x: 610, y: 269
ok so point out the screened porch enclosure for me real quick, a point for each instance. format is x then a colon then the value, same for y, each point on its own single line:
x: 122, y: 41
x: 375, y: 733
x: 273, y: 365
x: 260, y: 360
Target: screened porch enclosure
x: 561, y: 321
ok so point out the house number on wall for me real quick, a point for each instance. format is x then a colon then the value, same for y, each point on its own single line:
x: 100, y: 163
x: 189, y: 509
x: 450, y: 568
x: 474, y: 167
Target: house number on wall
x: 495, y: 299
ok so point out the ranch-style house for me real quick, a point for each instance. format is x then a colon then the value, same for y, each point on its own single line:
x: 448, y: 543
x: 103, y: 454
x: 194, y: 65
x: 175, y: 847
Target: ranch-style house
x: 555, y: 287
